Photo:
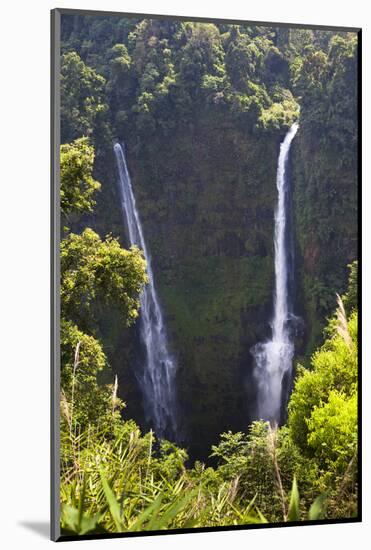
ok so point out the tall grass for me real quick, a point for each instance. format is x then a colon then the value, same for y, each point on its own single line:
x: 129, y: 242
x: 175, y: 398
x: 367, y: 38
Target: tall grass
x: 116, y: 482
x: 119, y: 485
x: 114, y: 479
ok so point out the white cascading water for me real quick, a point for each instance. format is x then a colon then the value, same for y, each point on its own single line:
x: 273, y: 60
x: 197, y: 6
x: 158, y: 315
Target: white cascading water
x: 157, y: 379
x: 273, y: 359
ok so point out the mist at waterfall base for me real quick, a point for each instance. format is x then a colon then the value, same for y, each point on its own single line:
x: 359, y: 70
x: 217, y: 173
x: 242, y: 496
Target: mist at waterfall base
x: 273, y: 359
x: 156, y: 377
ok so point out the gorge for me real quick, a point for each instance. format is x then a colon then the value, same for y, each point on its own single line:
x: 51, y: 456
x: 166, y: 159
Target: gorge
x: 202, y: 110
x: 209, y: 274
x: 273, y: 359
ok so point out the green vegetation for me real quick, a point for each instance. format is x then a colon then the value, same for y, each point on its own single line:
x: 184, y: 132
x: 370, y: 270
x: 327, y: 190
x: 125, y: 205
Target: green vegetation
x: 77, y: 184
x: 116, y: 479
x: 95, y: 272
x: 325, y: 172
x: 156, y: 65
x: 82, y: 90
x: 202, y: 109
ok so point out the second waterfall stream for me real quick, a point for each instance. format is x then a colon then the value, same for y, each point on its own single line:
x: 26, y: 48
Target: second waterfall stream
x: 157, y: 376
x: 273, y: 359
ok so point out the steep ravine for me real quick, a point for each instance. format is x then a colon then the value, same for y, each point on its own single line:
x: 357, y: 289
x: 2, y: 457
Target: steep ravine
x: 206, y: 201
x: 206, y: 197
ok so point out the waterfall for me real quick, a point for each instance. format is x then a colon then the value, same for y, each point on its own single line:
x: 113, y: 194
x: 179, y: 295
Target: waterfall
x: 157, y: 376
x: 273, y: 359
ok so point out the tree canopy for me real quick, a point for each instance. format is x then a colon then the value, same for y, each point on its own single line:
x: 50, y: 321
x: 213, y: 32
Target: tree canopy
x: 78, y: 186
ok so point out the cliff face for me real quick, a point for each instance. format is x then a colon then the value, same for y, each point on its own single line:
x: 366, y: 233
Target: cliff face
x: 325, y: 172
x: 206, y: 199
x: 325, y: 202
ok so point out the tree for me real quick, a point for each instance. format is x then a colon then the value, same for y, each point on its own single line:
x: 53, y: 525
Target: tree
x: 243, y: 61
x: 334, y: 366
x: 350, y: 299
x: 323, y: 407
x: 78, y: 186
x: 310, y: 74
x: 248, y: 458
x: 84, y: 400
x: 201, y: 55
x: 332, y: 431
x: 342, y: 90
x: 99, y: 271
x: 276, y: 67
x: 120, y: 81
x: 95, y: 272
x: 82, y: 97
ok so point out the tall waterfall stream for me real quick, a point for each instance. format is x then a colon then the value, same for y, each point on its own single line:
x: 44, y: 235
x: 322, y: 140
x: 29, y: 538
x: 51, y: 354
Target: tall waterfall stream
x: 157, y: 376
x: 273, y: 359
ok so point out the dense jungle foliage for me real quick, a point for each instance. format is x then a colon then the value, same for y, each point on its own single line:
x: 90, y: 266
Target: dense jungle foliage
x: 202, y: 109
